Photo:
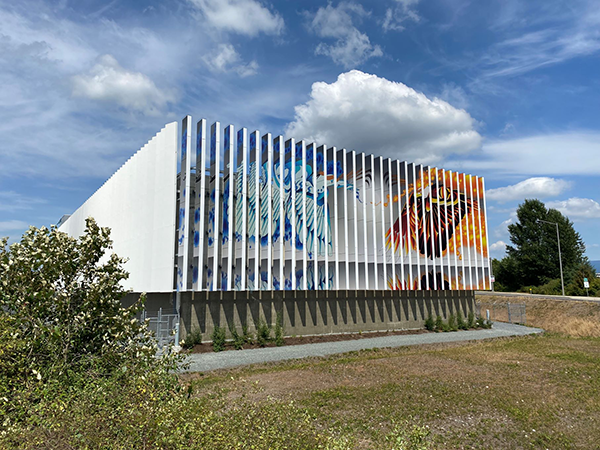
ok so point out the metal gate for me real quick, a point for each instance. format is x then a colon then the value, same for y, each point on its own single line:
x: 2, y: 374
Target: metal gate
x: 164, y: 326
x: 504, y: 312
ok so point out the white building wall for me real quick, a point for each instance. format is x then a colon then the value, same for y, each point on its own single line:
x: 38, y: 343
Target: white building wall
x: 138, y: 204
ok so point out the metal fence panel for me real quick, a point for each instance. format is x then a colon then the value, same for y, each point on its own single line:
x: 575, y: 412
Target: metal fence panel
x: 504, y: 312
x: 162, y: 325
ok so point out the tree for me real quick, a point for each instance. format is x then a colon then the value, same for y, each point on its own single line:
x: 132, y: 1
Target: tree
x: 61, y: 316
x: 533, y: 260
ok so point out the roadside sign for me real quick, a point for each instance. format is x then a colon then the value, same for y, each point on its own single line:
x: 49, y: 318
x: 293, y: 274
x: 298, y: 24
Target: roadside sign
x: 492, y: 278
x: 586, y: 284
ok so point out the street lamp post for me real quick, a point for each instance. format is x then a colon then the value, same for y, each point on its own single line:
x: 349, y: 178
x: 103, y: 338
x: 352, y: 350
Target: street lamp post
x: 562, y: 282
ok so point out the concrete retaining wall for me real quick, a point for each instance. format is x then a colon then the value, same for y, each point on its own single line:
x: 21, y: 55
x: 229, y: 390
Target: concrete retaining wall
x: 311, y: 312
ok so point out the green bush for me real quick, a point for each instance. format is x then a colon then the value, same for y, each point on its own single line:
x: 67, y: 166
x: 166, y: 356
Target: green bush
x: 279, y: 341
x: 452, y: 325
x: 218, y: 337
x: 263, y: 333
x: 439, y: 324
x: 460, y: 322
x: 194, y: 337
x: 246, y: 335
x: 62, y: 325
x: 238, y: 340
x: 471, y: 323
x: 484, y: 323
x: 430, y: 323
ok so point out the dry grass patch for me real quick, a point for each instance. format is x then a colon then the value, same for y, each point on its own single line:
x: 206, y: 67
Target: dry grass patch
x: 574, y: 318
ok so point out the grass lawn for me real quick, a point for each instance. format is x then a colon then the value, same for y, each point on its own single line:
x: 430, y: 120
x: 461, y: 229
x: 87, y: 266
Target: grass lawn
x: 529, y: 392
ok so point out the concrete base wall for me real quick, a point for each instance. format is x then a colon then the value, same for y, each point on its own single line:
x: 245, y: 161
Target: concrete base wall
x: 319, y: 312
x: 310, y: 312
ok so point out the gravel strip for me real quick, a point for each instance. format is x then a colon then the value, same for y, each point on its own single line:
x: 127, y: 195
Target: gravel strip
x: 203, y: 362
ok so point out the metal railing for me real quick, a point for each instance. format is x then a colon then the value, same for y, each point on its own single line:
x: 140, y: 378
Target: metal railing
x: 164, y: 326
x: 503, y: 312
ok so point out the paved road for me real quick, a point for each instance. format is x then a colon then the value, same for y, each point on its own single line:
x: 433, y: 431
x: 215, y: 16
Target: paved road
x: 203, y: 362
x: 480, y: 295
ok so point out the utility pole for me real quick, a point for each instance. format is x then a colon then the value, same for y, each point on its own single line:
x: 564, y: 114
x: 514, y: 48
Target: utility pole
x: 562, y: 282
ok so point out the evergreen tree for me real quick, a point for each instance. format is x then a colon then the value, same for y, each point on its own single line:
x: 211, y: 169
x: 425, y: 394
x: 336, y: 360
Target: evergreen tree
x: 532, y: 259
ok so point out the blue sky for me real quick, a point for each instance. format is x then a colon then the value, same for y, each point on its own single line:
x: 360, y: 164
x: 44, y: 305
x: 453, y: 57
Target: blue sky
x: 505, y: 89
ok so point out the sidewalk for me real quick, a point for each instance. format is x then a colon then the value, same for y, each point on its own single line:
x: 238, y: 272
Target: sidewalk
x: 203, y: 362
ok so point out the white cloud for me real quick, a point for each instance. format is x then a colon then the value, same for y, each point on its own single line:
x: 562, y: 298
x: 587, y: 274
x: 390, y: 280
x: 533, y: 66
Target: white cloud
x: 247, y: 17
x: 13, y: 201
x: 537, y: 187
x: 541, y: 34
x: 12, y: 225
x: 108, y: 81
x: 404, y: 11
x: 351, y: 47
x: 577, y: 208
x: 498, y: 249
x: 226, y: 59
x: 372, y: 114
x: 567, y: 153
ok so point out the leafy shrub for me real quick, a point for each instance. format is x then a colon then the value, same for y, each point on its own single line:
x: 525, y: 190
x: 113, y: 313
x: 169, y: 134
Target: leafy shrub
x: 246, y: 335
x: 484, y: 323
x: 62, y: 325
x: 238, y: 340
x: 439, y: 324
x: 263, y: 333
x: 452, y: 325
x: 471, y: 320
x: 430, y: 323
x: 218, y: 337
x: 194, y: 337
x: 460, y: 322
x: 279, y: 341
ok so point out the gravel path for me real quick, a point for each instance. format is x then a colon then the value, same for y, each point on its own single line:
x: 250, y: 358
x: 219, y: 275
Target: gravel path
x: 203, y: 362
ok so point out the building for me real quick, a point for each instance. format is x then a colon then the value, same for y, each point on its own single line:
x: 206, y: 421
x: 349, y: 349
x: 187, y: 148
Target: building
x: 254, y: 212
x: 246, y: 227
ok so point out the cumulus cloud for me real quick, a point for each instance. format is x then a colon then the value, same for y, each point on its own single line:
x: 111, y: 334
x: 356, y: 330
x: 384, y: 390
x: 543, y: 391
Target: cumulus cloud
x: 498, y: 249
x: 404, y: 11
x: 567, y: 153
x: 108, y: 81
x: 226, y: 59
x: 351, y: 47
x: 537, y: 187
x: 247, y: 17
x: 372, y: 114
x: 577, y: 208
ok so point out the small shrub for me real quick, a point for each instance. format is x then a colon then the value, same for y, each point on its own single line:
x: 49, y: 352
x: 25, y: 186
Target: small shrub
x: 483, y: 323
x: 246, y: 335
x: 471, y: 320
x: 238, y: 340
x: 430, y: 323
x: 194, y: 337
x: 218, y: 339
x: 460, y: 322
x: 439, y: 324
x: 279, y: 341
x: 452, y: 325
x: 263, y: 333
